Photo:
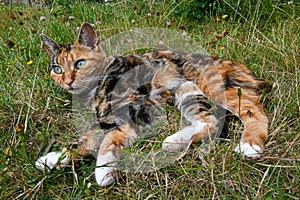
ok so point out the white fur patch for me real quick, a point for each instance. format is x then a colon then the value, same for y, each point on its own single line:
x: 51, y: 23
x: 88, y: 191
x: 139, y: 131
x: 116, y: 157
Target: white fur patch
x: 188, y: 84
x: 51, y: 159
x: 181, y: 139
x: 248, y: 150
x: 105, y: 171
x: 171, y: 143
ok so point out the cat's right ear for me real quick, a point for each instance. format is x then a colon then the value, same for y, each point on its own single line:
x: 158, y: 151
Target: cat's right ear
x: 49, y: 45
x: 87, y: 36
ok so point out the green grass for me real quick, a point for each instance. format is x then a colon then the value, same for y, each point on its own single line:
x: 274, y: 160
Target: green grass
x: 35, y: 115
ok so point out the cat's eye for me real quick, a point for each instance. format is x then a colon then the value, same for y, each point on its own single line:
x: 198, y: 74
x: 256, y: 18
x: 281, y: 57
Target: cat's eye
x: 80, y: 64
x: 57, y: 69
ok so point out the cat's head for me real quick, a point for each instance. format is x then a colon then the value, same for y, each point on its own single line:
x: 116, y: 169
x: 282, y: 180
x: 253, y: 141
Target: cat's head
x: 76, y: 67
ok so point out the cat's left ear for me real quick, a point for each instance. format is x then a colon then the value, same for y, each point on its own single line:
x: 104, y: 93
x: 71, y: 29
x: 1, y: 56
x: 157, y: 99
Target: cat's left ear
x: 50, y: 45
x: 87, y: 36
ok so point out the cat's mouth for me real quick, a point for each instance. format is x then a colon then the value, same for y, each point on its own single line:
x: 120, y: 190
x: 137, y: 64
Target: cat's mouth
x: 73, y: 90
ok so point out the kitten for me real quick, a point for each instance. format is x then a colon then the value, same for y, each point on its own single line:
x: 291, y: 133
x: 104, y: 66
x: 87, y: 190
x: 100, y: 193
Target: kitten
x: 190, y: 82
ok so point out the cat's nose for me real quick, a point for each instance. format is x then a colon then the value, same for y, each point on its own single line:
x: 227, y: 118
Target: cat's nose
x: 69, y: 81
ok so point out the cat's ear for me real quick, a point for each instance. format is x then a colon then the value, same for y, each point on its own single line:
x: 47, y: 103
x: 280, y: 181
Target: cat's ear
x: 87, y: 36
x: 50, y: 45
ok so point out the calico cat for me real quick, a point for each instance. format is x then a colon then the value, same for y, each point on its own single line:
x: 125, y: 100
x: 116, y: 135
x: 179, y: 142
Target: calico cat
x: 189, y: 82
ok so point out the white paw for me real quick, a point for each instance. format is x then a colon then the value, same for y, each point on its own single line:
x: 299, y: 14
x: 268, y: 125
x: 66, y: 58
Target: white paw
x: 52, y: 159
x: 182, y: 139
x: 173, y: 144
x: 248, y: 150
x: 106, y: 169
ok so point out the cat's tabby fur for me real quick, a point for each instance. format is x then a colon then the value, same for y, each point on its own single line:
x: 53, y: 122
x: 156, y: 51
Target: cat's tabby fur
x: 188, y: 81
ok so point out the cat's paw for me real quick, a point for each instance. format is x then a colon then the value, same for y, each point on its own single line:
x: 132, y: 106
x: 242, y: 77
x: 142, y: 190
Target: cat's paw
x: 252, y: 151
x: 106, y: 170
x: 52, y: 159
x: 173, y: 144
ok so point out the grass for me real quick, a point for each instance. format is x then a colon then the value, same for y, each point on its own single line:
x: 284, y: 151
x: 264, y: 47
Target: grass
x: 35, y: 115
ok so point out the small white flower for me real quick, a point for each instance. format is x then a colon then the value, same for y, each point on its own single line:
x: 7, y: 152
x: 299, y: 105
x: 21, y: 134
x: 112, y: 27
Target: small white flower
x: 132, y: 21
x: 89, y: 185
x: 77, y: 28
x: 71, y: 17
x: 183, y: 33
x: 168, y: 24
x: 149, y: 14
x: 161, y: 43
x: 43, y: 18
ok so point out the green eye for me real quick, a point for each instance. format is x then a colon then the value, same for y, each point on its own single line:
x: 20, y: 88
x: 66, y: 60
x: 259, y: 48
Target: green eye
x: 57, y: 70
x: 80, y: 64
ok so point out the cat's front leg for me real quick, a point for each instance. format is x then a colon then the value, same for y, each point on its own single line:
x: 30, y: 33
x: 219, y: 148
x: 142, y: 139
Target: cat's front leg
x: 59, y: 159
x: 109, y: 153
x: 53, y: 159
x: 106, y: 165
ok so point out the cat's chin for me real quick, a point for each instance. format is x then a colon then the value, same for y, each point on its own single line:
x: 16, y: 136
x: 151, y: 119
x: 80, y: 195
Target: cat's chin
x: 76, y: 91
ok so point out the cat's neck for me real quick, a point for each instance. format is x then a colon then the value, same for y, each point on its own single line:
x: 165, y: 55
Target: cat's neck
x: 88, y: 96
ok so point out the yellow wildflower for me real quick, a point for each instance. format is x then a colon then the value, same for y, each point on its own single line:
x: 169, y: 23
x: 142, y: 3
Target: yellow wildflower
x: 224, y: 16
x: 218, y: 19
x: 20, y: 128
x: 65, y: 150
x: 29, y: 62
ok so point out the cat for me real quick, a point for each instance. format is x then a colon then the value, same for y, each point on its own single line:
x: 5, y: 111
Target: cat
x: 189, y: 82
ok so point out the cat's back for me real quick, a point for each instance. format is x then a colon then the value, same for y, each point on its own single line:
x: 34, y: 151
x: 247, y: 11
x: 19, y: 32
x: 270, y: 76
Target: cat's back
x: 213, y: 75
x: 160, y: 70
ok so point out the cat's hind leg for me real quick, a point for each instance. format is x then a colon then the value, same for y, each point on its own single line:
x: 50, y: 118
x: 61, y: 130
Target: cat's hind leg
x: 255, y: 120
x: 197, y: 110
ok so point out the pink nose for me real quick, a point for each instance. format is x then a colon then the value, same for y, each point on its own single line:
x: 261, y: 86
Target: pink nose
x: 69, y: 81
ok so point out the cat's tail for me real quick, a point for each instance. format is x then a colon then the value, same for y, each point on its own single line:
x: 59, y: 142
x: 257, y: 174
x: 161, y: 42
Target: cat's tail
x: 238, y: 75
x: 263, y: 86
